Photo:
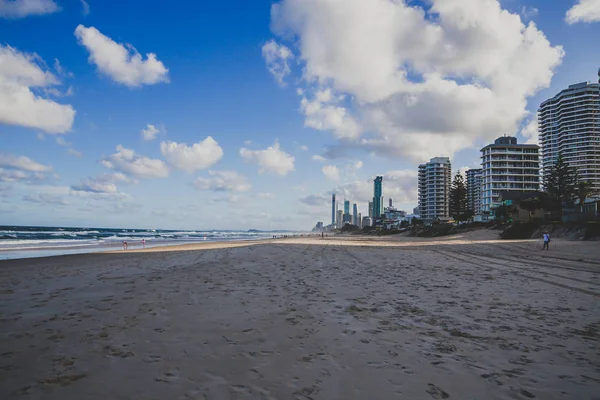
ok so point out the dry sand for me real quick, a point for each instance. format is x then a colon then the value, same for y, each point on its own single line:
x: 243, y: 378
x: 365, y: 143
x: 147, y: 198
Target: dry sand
x: 339, y: 318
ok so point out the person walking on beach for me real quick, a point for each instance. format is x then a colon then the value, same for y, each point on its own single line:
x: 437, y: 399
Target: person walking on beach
x: 124, y: 245
x: 546, y: 241
x: 144, y: 243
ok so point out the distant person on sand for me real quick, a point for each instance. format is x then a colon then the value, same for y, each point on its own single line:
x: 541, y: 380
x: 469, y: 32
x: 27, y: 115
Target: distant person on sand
x: 124, y: 245
x: 144, y: 243
x: 546, y: 241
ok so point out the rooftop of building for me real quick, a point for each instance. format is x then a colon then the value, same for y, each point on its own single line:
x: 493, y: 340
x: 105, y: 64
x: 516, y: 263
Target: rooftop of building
x: 509, y: 141
x: 571, y: 89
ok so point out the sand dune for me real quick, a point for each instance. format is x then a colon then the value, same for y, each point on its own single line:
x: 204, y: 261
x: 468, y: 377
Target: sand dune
x: 335, y: 318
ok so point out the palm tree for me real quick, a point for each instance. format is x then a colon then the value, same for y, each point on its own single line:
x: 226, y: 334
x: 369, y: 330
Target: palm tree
x: 583, y: 191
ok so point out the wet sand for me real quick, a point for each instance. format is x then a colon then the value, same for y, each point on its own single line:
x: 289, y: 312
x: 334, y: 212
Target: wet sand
x: 464, y: 317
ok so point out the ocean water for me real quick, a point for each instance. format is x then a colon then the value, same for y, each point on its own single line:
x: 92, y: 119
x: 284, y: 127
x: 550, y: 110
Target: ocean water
x: 38, y: 241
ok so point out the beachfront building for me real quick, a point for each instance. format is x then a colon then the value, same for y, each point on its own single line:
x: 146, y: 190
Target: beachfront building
x: 569, y: 125
x: 366, y: 221
x: 377, y: 197
x: 434, y: 188
x: 508, y: 166
x: 370, y: 209
x: 474, y: 191
x: 339, y: 221
x: 355, y: 215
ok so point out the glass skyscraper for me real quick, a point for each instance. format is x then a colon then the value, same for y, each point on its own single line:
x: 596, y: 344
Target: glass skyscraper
x: 377, y: 197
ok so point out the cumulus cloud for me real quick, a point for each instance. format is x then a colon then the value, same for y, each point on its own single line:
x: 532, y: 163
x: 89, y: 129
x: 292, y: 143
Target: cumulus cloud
x: 22, y: 163
x: 200, y: 155
x: 276, y: 57
x: 530, y: 131
x: 121, y: 62
x: 19, y: 105
x: 21, y: 169
x: 319, y: 158
x: 130, y: 163
x: 331, y: 172
x: 584, y: 11
x: 223, y: 181
x: 271, y: 160
x: 105, y: 183
x: 149, y: 132
x: 23, y: 8
x: 324, y: 113
x: 415, y: 81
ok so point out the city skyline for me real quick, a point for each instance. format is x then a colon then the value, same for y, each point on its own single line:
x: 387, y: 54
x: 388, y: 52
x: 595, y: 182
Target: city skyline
x: 148, y: 119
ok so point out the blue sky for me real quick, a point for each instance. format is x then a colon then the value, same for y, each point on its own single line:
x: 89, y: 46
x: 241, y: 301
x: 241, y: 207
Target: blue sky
x: 258, y: 110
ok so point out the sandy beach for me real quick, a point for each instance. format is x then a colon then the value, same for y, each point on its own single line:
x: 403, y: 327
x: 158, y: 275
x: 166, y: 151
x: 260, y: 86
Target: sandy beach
x: 464, y: 317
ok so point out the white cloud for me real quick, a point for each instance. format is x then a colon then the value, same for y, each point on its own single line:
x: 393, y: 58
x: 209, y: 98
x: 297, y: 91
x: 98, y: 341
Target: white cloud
x: 19, y: 73
x: 530, y: 131
x: 331, y: 172
x: 528, y: 12
x: 466, y: 76
x: 317, y: 200
x: 45, y: 198
x: 324, y: 113
x: 358, y: 165
x: 127, y: 162
x: 102, y: 187
x: 74, y: 152
x: 121, y: 62
x: 319, y: 158
x: 62, y: 142
x: 23, y: 8
x: 22, y: 163
x: 584, y: 11
x: 272, y: 159
x: 276, y: 56
x: 200, y: 155
x: 223, y: 181
x: 265, y: 195
x: 149, y: 132
x: 304, y: 148
x: 85, y: 8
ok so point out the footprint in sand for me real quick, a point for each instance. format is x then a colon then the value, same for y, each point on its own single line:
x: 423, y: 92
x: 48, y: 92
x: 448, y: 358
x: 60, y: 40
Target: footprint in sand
x: 61, y: 380
x: 436, y: 392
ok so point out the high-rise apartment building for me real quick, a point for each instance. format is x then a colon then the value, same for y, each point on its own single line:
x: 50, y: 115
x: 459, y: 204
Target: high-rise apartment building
x: 377, y: 197
x: 339, y: 221
x: 474, y: 190
x: 508, y: 166
x: 333, y: 209
x: 434, y: 188
x: 355, y: 215
x: 569, y: 125
x: 370, y: 209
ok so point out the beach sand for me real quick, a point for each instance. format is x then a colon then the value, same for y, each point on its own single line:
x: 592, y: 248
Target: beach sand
x: 466, y: 317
